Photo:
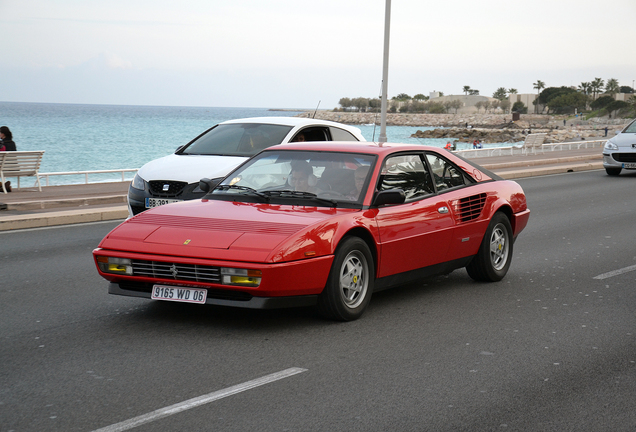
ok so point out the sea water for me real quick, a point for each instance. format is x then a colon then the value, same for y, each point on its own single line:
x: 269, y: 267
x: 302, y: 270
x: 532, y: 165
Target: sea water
x: 110, y: 137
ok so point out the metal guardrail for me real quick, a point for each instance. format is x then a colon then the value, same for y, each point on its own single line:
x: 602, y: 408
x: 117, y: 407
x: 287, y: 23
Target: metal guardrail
x: 86, y: 174
x: 469, y: 153
x: 517, y: 149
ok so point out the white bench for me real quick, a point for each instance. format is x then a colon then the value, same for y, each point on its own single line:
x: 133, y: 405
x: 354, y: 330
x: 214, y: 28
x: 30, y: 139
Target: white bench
x: 533, y: 142
x: 20, y: 164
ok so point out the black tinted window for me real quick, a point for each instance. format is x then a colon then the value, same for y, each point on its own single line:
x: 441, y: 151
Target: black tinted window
x: 409, y: 173
x: 241, y: 139
x: 445, y: 174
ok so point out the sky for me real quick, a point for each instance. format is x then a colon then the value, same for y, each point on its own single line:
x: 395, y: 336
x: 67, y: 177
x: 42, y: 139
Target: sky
x: 300, y: 53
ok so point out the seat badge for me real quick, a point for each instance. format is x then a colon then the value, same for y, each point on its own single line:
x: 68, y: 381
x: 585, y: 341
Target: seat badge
x: 187, y: 241
x: 166, y: 187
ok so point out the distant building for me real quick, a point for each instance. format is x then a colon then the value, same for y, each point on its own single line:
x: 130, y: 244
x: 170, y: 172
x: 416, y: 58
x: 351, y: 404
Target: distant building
x: 526, y: 98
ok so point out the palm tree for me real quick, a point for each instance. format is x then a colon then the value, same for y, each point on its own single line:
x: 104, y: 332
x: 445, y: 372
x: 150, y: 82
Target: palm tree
x: 612, y: 86
x: 585, y: 88
x: 466, y: 90
x: 513, y: 91
x: 539, y: 85
x: 597, y: 86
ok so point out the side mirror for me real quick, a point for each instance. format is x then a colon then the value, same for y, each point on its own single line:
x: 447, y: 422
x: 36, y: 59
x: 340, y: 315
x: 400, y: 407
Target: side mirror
x: 206, y: 185
x: 389, y: 196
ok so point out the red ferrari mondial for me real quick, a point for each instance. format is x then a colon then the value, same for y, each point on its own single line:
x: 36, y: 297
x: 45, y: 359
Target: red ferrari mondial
x: 323, y: 224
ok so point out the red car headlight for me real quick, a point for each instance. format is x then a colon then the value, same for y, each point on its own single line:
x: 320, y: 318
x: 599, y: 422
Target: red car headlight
x: 115, y: 265
x: 241, y: 277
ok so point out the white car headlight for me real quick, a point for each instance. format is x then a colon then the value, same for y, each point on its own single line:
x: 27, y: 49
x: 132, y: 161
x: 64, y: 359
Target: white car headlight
x: 138, y: 182
x: 610, y: 146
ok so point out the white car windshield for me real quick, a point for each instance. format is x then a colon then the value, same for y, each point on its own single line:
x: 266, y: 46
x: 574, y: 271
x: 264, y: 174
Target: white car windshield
x: 630, y: 128
x: 275, y: 176
x: 238, y: 139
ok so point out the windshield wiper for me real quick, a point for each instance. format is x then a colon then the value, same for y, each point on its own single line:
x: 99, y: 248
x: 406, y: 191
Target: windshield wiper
x: 251, y: 191
x: 300, y: 194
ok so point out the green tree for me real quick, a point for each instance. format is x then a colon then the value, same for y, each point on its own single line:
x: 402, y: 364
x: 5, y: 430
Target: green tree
x: 513, y: 91
x: 596, y: 86
x: 436, y: 108
x: 402, y: 97
x: 501, y: 93
x: 360, y: 103
x: 616, y: 106
x: 345, y: 103
x: 420, y: 97
x: 456, y: 105
x: 539, y: 85
x: 466, y: 89
x: 601, y: 102
x: 520, y: 107
x: 626, y: 89
x: 567, y: 103
x: 505, y: 106
x: 585, y: 88
x: 418, y: 107
x: 612, y: 86
x: 473, y: 92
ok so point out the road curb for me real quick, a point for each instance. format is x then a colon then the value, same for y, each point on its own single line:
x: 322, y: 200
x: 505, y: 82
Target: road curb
x: 62, y: 217
x: 561, y: 169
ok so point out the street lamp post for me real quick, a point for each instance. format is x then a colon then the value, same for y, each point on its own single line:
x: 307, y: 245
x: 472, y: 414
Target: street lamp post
x: 385, y: 71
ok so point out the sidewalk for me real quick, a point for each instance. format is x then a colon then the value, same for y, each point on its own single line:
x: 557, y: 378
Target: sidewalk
x: 61, y: 205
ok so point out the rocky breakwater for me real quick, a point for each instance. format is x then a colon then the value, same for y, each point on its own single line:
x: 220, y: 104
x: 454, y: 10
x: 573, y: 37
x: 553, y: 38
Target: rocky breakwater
x: 488, y: 128
x: 431, y: 120
x: 511, y: 134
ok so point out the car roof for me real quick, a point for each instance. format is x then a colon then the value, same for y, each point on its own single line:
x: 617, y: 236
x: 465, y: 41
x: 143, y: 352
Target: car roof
x: 353, y: 147
x: 289, y: 121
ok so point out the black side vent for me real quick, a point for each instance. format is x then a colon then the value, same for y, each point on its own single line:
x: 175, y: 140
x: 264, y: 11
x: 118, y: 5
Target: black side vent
x: 469, y: 208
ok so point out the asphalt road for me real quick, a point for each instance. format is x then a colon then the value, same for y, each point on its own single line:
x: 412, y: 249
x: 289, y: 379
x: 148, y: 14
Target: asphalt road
x: 550, y: 348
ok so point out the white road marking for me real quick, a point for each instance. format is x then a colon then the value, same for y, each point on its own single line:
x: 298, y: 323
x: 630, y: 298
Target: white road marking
x: 615, y: 272
x: 201, y: 400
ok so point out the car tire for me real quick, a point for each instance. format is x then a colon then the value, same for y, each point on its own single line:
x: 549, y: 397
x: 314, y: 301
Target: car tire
x: 613, y: 171
x: 350, y: 283
x: 495, y: 252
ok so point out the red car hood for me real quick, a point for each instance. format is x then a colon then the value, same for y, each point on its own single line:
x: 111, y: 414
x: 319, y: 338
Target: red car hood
x: 224, y: 230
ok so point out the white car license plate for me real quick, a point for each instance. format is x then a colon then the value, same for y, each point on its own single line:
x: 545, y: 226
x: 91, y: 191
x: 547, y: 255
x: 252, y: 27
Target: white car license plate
x: 156, y: 202
x: 629, y: 165
x: 179, y: 294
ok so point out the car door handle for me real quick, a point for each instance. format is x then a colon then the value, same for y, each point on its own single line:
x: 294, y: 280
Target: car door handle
x: 443, y: 210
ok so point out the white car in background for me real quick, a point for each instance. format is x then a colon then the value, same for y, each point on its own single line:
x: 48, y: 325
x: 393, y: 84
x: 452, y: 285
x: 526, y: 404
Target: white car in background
x: 219, y: 150
x: 620, y: 151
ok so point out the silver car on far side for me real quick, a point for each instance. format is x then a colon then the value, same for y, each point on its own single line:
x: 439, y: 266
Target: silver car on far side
x: 620, y: 151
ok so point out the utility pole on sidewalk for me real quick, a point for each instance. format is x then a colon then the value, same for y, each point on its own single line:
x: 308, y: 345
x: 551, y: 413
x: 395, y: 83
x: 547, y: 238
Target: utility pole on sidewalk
x: 385, y: 71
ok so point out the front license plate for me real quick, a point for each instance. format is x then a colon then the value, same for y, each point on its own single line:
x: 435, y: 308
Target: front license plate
x: 156, y: 202
x: 179, y: 294
x: 629, y: 165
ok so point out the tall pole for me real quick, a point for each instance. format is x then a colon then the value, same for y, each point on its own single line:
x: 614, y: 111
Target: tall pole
x: 385, y: 71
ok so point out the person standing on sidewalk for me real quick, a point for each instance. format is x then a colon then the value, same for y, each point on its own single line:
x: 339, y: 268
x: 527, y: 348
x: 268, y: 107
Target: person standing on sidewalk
x: 6, y: 144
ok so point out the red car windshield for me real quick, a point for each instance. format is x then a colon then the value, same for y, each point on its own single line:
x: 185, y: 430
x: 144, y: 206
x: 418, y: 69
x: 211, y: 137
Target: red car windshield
x: 334, y: 177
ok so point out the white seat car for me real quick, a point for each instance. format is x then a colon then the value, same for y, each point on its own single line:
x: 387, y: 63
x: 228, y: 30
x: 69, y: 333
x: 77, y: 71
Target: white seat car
x: 620, y: 151
x: 219, y: 150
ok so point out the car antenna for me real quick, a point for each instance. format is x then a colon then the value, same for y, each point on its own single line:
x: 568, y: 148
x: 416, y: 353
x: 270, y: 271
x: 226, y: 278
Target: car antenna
x: 314, y: 116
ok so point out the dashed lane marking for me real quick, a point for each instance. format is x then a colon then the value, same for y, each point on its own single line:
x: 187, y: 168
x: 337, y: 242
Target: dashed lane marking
x: 198, y: 401
x: 615, y: 272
